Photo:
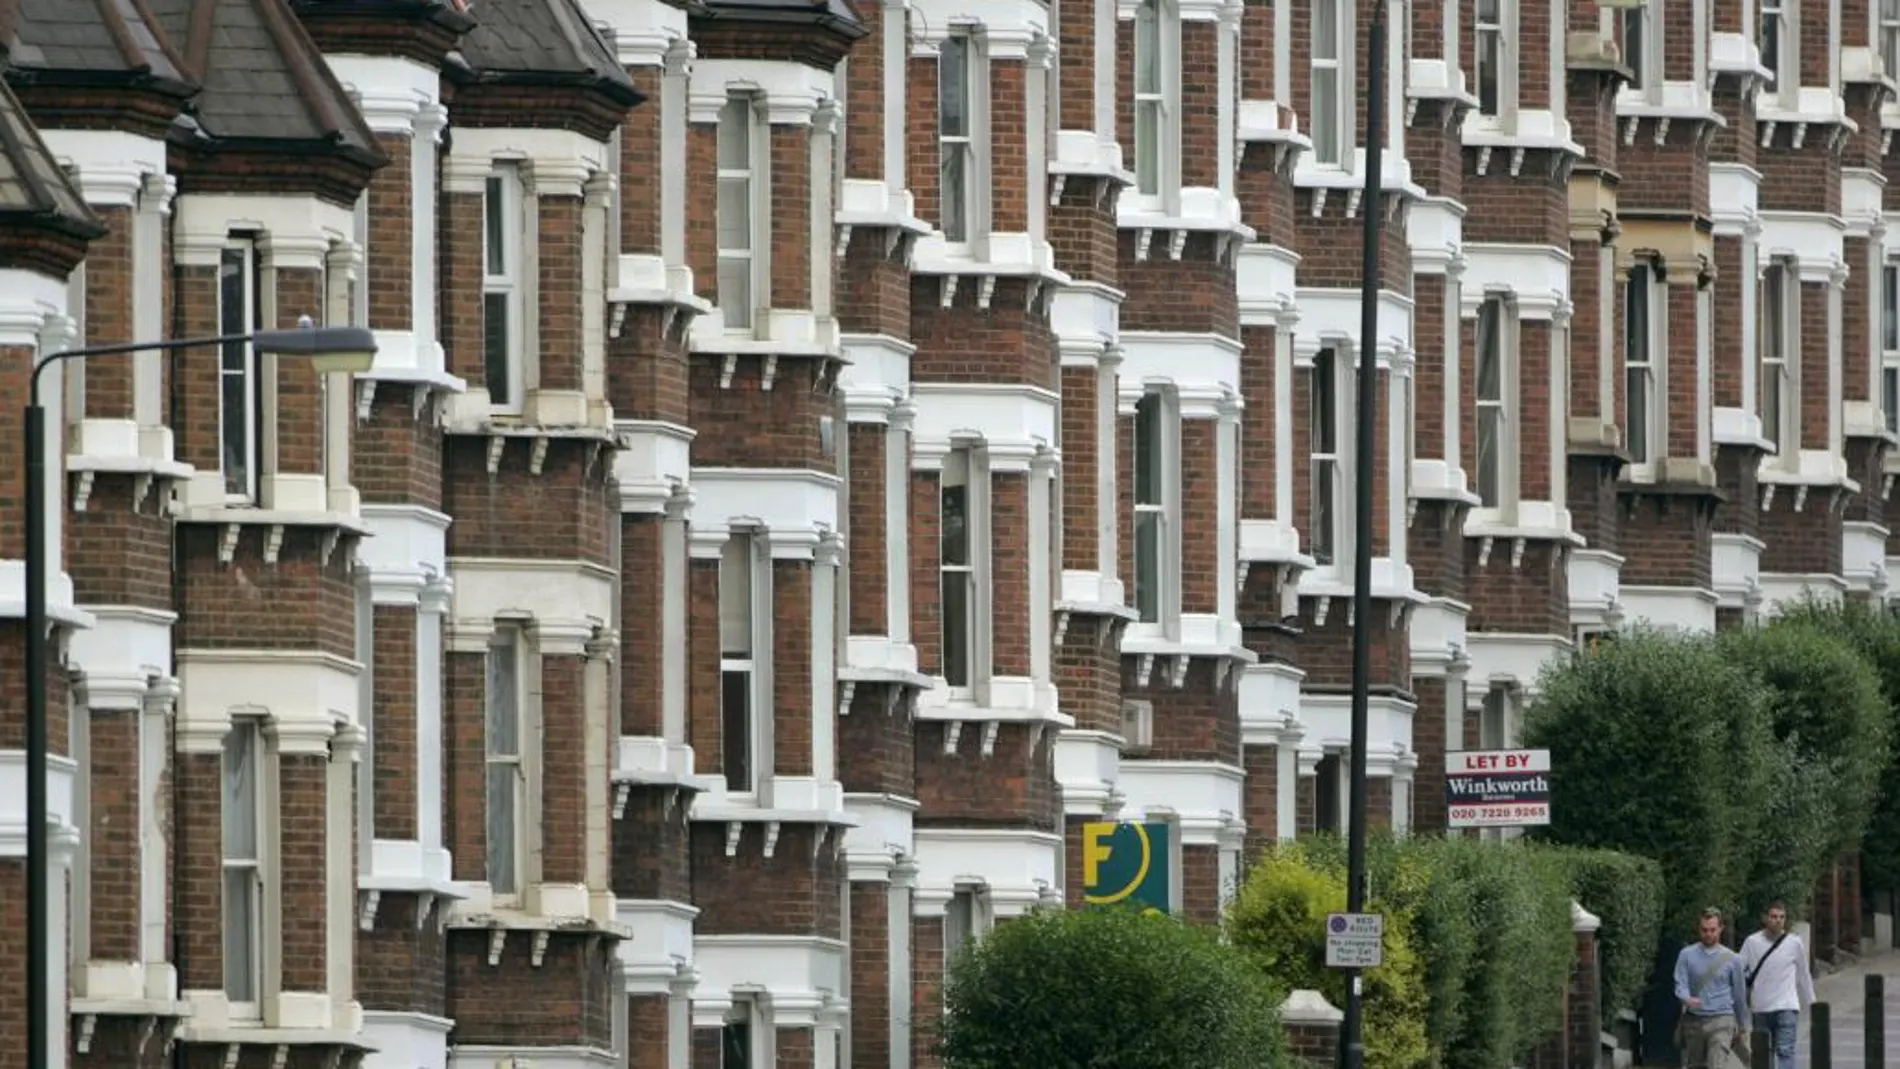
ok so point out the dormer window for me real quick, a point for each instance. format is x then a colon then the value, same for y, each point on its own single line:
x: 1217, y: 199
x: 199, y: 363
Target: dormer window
x: 504, y: 281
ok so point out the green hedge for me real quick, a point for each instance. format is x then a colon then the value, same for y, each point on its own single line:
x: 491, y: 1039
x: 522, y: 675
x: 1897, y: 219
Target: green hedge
x: 1660, y: 747
x: 1278, y: 921
x: 1626, y: 894
x: 1490, y: 924
x: 1077, y: 989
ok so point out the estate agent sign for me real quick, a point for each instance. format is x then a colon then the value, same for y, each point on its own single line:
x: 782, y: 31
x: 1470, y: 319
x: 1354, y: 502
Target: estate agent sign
x: 1127, y: 862
x: 1497, y: 788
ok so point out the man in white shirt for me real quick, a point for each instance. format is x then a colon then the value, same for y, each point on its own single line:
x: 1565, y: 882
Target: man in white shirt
x: 1775, y: 961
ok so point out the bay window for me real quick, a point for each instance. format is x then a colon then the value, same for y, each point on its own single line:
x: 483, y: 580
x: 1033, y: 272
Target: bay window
x: 958, y: 80
x: 1642, y: 407
x: 507, y: 786
x: 744, y: 652
x: 504, y: 286
x: 966, y: 919
x: 1330, y: 106
x: 244, y: 822
x: 240, y: 389
x: 1495, y: 440
x: 1777, y: 348
x: 1323, y: 425
x: 744, y: 212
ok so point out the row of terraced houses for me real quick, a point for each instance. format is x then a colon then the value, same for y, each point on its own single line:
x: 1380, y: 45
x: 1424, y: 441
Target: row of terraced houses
x: 821, y: 453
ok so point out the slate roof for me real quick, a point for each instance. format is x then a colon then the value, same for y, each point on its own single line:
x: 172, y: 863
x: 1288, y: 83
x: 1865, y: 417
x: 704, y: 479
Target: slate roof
x: 264, y: 79
x: 839, y: 12
x: 542, y: 42
x: 92, y: 42
x: 31, y: 184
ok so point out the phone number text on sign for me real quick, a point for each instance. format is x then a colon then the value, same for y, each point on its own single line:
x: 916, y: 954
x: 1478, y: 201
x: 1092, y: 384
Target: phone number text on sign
x: 1503, y: 815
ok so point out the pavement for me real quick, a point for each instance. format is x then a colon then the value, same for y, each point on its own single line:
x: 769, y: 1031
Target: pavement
x: 1844, y: 991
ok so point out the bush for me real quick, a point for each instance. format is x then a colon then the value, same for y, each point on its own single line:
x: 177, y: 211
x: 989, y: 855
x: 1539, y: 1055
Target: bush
x: 1081, y: 989
x: 1525, y: 948
x: 1279, y: 921
x: 1626, y: 894
x: 1830, y: 725
x: 1875, y: 635
x: 1661, y: 748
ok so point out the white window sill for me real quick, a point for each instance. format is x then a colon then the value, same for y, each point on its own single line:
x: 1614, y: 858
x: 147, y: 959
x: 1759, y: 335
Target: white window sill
x: 408, y: 376
x: 237, y: 516
x: 412, y: 884
x: 477, y: 913
x: 1735, y: 53
x: 1435, y: 79
x: 1533, y: 130
x: 1008, y: 255
x: 1861, y: 64
x: 1085, y: 153
x: 881, y: 674
x: 1811, y: 104
x: 1138, y: 645
x: 470, y: 413
x: 1271, y: 542
x: 1092, y: 593
x: 1810, y: 468
x: 1260, y: 121
x: 232, y: 1033
x: 1675, y: 100
x: 1396, y: 180
x: 128, y: 1007
x: 1013, y: 700
x: 727, y: 810
x: 122, y: 445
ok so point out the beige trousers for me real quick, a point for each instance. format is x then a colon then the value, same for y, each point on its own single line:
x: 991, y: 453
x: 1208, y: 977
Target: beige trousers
x: 1708, y: 1042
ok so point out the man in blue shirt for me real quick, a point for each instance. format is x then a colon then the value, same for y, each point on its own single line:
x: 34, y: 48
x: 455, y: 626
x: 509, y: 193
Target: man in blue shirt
x: 1713, y: 990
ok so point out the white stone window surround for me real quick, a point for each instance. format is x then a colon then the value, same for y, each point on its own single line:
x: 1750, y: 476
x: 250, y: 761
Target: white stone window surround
x: 1787, y: 101
x: 741, y: 308
x: 1516, y: 126
x: 551, y: 163
x: 120, y: 170
x: 668, y: 757
x: 400, y: 97
x: 508, y: 219
x: 1269, y: 698
x: 1268, y: 297
x: 885, y: 201
x: 1536, y: 279
x: 1086, y: 320
x: 1010, y: 427
x: 876, y: 387
x: 783, y: 982
x: 564, y: 608
x: 1661, y: 98
x: 1204, y: 802
x: 1008, y: 31
x: 1156, y: 44
x: 745, y: 558
x: 1733, y: 196
x: 1810, y: 247
x: 1196, y: 376
x: 1018, y: 869
x: 790, y: 512
x: 1509, y: 445
x: 292, y: 233
x: 789, y: 95
x: 1173, y: 206
x: 216, y: 686
x: 1655, y: 367
x: 1862, y: 208
x: 407, y: 565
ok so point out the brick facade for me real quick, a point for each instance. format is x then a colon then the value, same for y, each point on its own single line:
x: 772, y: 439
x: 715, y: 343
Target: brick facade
x: 818, y: 461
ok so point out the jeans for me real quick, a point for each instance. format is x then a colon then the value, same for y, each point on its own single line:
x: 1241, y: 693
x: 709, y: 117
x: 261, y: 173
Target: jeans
x: 1781, y: 1026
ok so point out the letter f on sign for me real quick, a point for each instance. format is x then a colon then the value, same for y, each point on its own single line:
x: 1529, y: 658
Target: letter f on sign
x: 1095, y: 850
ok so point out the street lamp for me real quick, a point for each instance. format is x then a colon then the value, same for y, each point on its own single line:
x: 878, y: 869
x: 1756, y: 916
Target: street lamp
x: 328, y: 349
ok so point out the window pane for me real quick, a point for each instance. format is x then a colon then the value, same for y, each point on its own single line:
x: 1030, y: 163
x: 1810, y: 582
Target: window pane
x: 1770, y: 42
x: 1325, y: 30
x: 1890, y: 396
x: 735, y: 135
x: 240, y: 792
x: 504, y: 713
x: 1771, y: 404
x: 497, y: 348
x: 955, y: 526
x: 240, y: 934
x: 234, y: 431
x: 1636, y: 419
x: 495, y: 211
x: 1490, y: 355
x: 1323, y: 419
x: 735, y: 598
x: 735, y: 291
x: 1148, y: 146
x: 736, y: 1045
x: 1490, y: 461
x: 1147, y: 48
x: 1633, y: 44
x: 953, y: 90
x: 1490, y: 48
x: 1148, y: 450
x: 503, y: 799
x: 953, y: 188
x: 1148, y: 565
x: 1324, y: 496
x: 1890, y: 308
x: 956, y: 628
x: 1325, y: 117
x: 735, y: 726
x: 1636, y: 317
x: 735, y: 214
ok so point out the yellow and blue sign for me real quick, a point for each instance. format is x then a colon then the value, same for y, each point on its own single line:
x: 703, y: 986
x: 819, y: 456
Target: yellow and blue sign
x: 1127, y: 863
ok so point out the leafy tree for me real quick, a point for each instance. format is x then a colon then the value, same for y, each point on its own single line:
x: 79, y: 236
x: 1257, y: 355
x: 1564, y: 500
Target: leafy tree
x: 1661, y: 748
x: 1107, y: 989
x: 1830, y: 724
x: 1626, y: 894
x: 1875, y: 634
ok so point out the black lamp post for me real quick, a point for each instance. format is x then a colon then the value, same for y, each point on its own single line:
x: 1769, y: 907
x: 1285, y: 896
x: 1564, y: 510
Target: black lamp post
x: 328, y: 349
x: 1351, y: 1040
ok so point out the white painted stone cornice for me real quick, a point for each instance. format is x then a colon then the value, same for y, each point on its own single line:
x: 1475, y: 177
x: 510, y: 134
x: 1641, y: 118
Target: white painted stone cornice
x: 28, y: 303
x: 431, y: 121
x: 295, y: 252
x: 436, y: 594
x: 156, y: 193
x: 565, y: 177
x: 297, y: 231
x: 466, y: 174
x: 347, y: 745
x: 558, y: 161
x: 791, y: 92
x: 301, y: 736
x: 111, y: 165
x: 563, y: 638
